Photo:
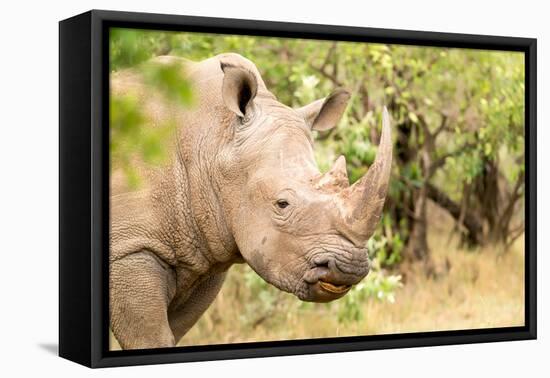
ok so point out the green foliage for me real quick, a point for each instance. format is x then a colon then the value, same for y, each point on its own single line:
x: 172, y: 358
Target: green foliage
x: 387, y: 250
x: 130, y: 140
x: 265, y: 299
x: 378, y: 286
x: 169, y: 80
x: 130, y: 47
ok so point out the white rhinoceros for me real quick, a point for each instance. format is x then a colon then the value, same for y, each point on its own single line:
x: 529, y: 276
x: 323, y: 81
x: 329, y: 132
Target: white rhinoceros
x: 242, y: 185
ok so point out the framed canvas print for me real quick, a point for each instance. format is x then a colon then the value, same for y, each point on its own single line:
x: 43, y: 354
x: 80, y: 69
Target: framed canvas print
x: 235, y: 188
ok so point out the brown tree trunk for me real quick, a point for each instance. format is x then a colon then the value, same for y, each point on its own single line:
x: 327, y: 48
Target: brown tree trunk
x: 497, y: 203
x: 487, y: 199
x: 417, y: 245
x: 473, y: 234
x: 417, y: 249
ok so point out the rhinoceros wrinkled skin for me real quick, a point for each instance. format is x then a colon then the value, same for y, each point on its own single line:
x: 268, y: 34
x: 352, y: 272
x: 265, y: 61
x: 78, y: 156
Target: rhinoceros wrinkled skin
x: 241, y: 185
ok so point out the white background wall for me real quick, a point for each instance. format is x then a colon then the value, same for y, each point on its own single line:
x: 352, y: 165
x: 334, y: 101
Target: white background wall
x: 29, y: 186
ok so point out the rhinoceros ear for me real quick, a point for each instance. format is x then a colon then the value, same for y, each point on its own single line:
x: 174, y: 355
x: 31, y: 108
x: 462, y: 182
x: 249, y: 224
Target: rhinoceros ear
x: 324, y: 114
x: 238, y: 89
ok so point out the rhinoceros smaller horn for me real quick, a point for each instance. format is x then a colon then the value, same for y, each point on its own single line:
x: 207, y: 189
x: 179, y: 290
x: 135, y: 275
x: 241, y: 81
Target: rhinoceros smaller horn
x: 335, y: 178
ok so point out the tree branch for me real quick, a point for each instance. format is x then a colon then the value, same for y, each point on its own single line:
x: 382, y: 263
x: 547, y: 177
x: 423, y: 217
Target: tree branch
x: 442, y: 125
x: 323, y: 69
x: 515, y: 195
x: 440, y: 161
x: 469, y: 221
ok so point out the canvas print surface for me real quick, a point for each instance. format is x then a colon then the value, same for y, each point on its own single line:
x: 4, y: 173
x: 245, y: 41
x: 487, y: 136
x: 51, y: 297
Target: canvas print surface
x: 267, y: 189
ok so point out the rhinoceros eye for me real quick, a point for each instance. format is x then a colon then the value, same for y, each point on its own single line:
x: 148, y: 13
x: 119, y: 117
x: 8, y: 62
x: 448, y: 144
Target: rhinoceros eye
x: 282, y: 204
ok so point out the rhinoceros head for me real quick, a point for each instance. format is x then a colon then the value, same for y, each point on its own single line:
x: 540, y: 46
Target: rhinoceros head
x: 302, y: 231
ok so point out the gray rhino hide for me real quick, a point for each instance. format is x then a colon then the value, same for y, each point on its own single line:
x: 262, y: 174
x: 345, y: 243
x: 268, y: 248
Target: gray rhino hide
x: 241, y: 185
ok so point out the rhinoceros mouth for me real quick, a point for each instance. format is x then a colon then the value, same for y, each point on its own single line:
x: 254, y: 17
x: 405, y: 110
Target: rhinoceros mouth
x: 332, y: 288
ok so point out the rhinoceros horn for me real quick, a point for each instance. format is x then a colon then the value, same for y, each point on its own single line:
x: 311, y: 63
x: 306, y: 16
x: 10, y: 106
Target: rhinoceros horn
x: 362, y: 203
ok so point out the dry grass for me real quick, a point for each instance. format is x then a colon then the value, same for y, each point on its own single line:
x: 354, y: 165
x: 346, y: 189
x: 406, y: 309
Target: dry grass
x: 476, y: 289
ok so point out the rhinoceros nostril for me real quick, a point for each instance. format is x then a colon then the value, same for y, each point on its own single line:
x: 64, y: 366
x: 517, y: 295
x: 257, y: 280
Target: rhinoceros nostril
x: 322, y: 265
x: 321, y: 262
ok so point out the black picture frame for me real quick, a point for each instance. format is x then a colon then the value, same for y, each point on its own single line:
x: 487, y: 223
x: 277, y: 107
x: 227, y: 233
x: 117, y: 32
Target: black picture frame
x: 84, y: 197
